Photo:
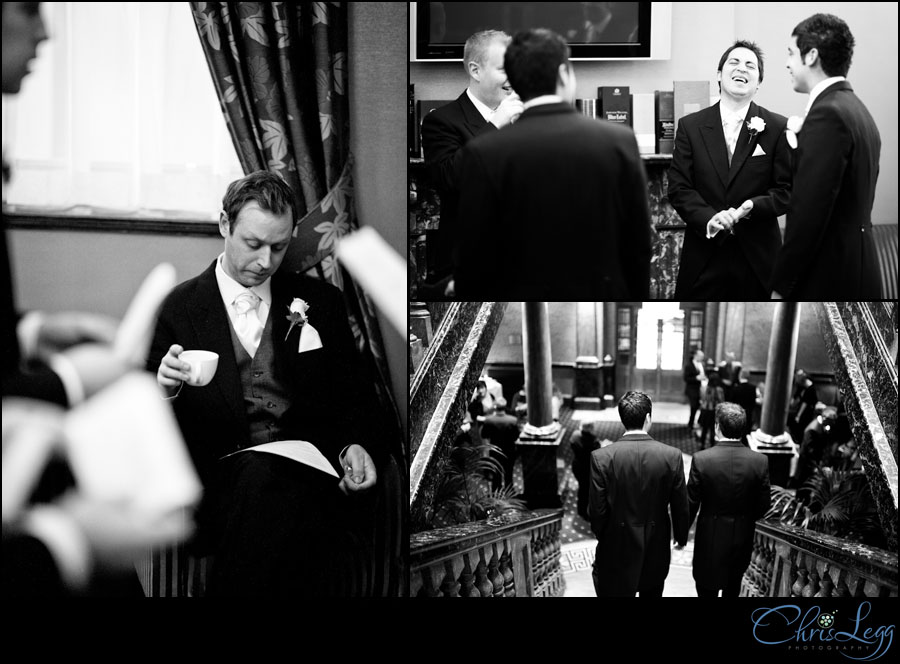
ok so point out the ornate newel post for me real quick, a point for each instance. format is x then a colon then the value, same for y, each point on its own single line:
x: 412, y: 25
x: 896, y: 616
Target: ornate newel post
x: 539, y: 440
x: 772, y: 437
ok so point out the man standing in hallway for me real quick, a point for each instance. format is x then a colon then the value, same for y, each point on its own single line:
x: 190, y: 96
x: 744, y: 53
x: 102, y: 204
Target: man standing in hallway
x: 828, y: 250
x: 486, y: 105
x: 694, y: 374
x: 634, y: 482
x: 729, y: 485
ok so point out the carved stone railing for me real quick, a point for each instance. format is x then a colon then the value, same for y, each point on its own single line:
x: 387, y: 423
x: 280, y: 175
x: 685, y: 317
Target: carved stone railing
x: 861, y: 340
x: 439, y: 393
x: 788, y: 561
x: 514, y: 555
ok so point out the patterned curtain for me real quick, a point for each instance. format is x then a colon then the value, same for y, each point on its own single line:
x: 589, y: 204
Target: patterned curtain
x: 280, y: 72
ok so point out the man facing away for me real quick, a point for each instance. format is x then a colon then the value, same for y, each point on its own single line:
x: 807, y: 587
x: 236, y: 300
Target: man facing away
x: 487, y: 104
x: 634, y: 482
x: 274, y: 525
x: 554, y: 206
x: 729, y: 485
x: 828, y: 251
x: 731, y: 163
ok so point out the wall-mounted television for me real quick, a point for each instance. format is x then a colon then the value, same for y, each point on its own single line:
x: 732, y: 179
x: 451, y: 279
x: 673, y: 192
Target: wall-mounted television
x: 594, y: 30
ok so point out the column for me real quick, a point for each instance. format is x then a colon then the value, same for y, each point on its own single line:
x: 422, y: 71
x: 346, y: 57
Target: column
x: 608, y: 348
x: 540, y: 438
x: 420, y: 323
x: 710, y: 329
x: 587, y: 363
x: 772, y: 437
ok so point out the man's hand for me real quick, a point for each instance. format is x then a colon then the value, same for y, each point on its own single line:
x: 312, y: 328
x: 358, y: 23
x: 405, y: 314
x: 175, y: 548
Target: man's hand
x: 776, y: 295
x: 721, y: 221
x: 65, y: 329
x: 359, y: 470
x: 508, y: 111
x: 172, y: 372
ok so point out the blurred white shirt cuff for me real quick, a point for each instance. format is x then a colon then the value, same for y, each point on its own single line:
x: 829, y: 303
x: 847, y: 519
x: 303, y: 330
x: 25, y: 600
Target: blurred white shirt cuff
x: 27, y: 331
x: 65, y: 542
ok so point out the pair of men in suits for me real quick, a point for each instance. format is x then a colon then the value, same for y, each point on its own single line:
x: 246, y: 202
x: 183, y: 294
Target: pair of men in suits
x: 731, y: 164
x: 638, y: 501
x: 273, y: 525
x: 828, y: 251
x: 554, y: 206
x: 487, y: 104
x: 729, y: 486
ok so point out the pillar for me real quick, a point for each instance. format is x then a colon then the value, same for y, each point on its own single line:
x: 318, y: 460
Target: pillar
x: 540, y: 438
x: 772, y: 437
x: 587, y: 363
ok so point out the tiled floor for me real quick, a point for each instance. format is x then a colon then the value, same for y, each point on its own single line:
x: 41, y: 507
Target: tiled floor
x: 578, y: 542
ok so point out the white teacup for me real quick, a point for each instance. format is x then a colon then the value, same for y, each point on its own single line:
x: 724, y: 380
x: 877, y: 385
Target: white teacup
x: 203, y: 366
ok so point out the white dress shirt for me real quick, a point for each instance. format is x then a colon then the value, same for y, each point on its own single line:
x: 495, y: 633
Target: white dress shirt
x: 820, y: 88
x: 486, y: 111
x: 736, y: 118
x: 229, y: 289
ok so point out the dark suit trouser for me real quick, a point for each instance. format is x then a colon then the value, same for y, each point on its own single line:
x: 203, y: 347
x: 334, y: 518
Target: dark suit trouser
x: 279, y: 521
x: 729, y: 276
x: 654, y: 591
x: 693, y: 395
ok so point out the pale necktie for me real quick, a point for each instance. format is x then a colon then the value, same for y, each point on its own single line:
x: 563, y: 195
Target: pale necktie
x: 732, y: 130
x: 248, y: 327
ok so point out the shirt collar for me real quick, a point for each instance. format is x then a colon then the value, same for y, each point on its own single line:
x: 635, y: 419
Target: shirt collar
x: 820, y: 88
x: 634, y: 433
x: 543, y: 99
x: 486, y: 111
x: 727, y: 115
x: 230, y: 289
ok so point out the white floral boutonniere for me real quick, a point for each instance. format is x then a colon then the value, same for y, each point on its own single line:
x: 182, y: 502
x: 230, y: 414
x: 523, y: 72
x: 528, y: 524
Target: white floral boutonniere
x: 794, y: 125
x: 756, y: 125
x: 297, y: 315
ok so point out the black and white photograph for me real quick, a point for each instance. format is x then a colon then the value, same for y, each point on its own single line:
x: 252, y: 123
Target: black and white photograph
x: 204, y: 311
x: 750, y: 153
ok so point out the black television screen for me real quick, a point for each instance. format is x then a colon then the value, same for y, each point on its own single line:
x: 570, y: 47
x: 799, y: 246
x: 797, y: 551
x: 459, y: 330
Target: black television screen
x: 594, y: 30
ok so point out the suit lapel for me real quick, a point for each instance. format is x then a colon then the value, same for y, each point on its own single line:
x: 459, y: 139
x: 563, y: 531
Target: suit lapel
x: 474, y: 119
x: 281, y: 304
x: 714, y: 140
x: 745, y: 144
x: 211, y: 324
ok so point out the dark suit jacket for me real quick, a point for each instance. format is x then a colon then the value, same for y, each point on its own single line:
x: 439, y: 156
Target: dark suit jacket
x: 729, y: 484
x: 633, y: 483
x: 828, y: 251
x: 444, y: 133
x: 37, y: 383
x: 329, y: 406
x: 701, y: 183
x: 553, y: 207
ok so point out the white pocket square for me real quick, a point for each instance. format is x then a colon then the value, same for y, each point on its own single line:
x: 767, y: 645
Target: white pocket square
x: 758, y: 151
x: 309, y: 339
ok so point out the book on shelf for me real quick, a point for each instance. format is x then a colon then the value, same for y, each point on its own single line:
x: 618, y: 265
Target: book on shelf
x: 615, y: 103
x: 643, y: 115
x: 665, y: 121
x: 412, y: 135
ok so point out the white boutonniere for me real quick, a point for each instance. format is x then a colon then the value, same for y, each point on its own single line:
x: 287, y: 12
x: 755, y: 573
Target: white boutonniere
x: 794, y: 125
x: 297, y: 315
x: 755, y: 126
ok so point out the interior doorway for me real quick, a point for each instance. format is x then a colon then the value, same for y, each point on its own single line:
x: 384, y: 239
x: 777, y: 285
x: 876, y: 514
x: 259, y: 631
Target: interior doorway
x: 659, y: 351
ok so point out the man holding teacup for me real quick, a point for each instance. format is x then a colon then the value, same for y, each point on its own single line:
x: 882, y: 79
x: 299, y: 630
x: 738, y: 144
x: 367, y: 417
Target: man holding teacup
x: 286, y: 363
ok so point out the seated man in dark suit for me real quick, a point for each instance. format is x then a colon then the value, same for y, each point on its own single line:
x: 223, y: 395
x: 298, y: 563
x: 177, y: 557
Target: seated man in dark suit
x: 564, y: 195
x: 486, y: 105
x: 287, y: 362
x: 731, y: 163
